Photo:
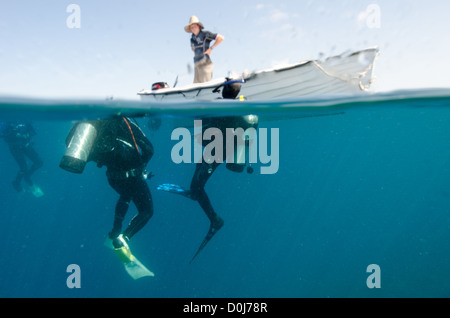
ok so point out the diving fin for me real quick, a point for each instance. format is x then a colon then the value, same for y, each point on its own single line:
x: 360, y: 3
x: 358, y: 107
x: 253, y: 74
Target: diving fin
x: 124, y: 254
x: 173, y: 188
x: 34, y: 190
x: 211, y: 232
x: 37, y: 191
x: 108, y: 243
x: 136, y: 269
x: 132, y: 265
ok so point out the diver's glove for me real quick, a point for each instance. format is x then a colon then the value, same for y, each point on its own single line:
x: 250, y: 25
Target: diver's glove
x: 147, y: 175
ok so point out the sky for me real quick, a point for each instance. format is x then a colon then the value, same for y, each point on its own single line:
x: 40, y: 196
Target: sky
x: 113, y: 48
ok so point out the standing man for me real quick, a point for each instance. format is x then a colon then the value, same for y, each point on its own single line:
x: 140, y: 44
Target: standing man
x: 200, y: 44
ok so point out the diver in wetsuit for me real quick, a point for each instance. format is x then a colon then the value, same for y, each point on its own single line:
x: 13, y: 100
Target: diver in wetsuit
x: 121, y: 146
x: 204, y: 170
x: 18, y: 137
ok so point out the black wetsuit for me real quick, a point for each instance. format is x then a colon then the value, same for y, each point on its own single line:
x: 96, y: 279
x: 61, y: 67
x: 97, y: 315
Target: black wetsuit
x: 124, y: 149
x: 18, y: 137
x: 204, y: 170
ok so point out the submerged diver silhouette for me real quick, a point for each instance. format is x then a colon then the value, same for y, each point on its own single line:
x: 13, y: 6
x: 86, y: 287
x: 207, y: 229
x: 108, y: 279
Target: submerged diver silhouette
x: 204, y: 170
x: 18, y: 136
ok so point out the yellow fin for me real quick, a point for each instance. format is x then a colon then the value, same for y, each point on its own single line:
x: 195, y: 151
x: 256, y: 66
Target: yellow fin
x: 124, y: 254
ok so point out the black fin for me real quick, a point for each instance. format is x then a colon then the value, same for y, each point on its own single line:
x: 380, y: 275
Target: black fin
x: 212, y: 231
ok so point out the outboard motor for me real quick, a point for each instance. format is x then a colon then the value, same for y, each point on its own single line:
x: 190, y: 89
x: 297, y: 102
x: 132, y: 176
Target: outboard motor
x: 159, y: 85
x: 80, y: 142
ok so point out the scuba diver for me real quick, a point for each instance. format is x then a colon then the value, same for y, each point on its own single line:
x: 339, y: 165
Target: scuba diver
x: 204, y: 170
x: 121, y: 146
x: 18, y: 137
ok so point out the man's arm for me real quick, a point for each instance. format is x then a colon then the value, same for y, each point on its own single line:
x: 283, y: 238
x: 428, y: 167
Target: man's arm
x: 219, y: 39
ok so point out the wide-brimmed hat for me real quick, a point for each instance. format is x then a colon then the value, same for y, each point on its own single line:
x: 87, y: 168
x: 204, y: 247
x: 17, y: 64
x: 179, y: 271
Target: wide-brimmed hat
x: 193, y: 20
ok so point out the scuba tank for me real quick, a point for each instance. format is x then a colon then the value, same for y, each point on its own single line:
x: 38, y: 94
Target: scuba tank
x: 241, y: 149
x: 231, y: 89
x: 82, y: 140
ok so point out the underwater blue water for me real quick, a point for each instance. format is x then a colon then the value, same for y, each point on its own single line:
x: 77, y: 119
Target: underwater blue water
x: 367, y: 186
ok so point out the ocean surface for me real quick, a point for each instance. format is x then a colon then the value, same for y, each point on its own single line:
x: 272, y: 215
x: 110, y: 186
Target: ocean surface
x: 361, y: 181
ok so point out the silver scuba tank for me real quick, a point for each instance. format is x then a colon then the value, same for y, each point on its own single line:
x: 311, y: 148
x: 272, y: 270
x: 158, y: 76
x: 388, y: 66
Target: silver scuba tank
x: 241, y: 149
x: 79, y: 148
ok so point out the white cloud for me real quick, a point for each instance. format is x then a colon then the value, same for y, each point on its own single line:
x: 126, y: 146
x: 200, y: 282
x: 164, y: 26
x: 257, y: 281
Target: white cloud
x: 284, y: 32
x: 278, y: 15
x: 270, y: 14
x: 278, y: 25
